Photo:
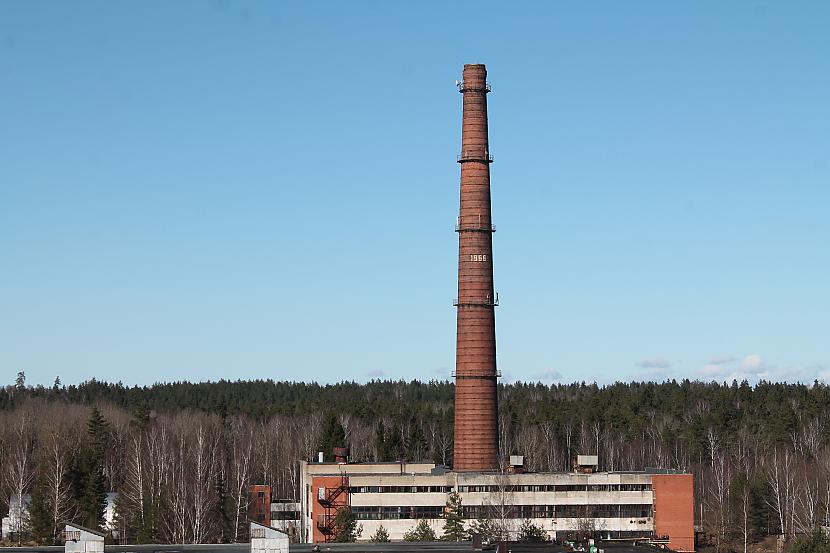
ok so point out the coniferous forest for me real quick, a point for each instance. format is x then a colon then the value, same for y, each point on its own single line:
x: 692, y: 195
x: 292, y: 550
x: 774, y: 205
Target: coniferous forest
x: 181, y: 455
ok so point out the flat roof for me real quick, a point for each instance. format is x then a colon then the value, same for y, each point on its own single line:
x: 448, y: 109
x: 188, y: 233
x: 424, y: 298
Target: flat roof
x: 516, y: 474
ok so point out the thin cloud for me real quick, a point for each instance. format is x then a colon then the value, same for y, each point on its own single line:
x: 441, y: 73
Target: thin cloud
x: 754, y: 364
x: 655, y: 363
x: 722, y: 360
x: 376, y: 374
x: 712, y: 369
x: 548, y: 376
x: 754, y: 368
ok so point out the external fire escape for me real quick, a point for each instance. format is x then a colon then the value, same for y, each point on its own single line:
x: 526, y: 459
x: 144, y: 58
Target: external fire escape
x: 327, y: 497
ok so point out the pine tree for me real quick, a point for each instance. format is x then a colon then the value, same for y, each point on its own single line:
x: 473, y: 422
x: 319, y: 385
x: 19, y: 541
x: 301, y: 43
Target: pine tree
x: 346, y: 524
x: 380, y: 536
x: 532, y: 533
x: 454, y: 519
x: 420, y: 532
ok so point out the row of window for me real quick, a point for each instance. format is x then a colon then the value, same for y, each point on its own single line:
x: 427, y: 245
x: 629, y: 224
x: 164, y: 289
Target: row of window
x: 507, y: 511
x: 510, y: 488
x: 400, y: 489
x: 561, y: 511
x: 387, y: 513
x: 559, y: 488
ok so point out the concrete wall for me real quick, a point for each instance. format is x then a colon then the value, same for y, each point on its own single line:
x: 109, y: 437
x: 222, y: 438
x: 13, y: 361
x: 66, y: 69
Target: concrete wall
x: 366, y: 468
x: 397, y: 528
x: 670, y: 497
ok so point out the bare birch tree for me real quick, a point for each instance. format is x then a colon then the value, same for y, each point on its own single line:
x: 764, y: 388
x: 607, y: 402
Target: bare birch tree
x: 19, y: 471
x: 203, y: 464
x: 58, y: 443
x: 242, y: 445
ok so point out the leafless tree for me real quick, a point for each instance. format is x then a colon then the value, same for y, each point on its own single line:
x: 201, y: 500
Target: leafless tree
x: 441, y: 440
x: 203, y: 464
x: 781, y: 478
x: 178, y: 486
x: 500, y: 505
x: 19, y: 470
x: 132, y: 501
x: 57, y: 443
x: 721, y: 478
x: 241, y: 448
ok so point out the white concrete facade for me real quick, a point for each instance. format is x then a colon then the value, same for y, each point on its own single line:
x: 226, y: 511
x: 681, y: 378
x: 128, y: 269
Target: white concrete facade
x: 614, y: 504
x: 285, y: 517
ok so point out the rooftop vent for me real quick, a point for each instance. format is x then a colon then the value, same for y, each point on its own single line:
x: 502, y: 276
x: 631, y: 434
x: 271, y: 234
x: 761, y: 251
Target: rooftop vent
x: 586, y: 464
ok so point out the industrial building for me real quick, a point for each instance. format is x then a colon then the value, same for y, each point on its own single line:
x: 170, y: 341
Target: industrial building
x: 653, y: 505
x: 656, y: 506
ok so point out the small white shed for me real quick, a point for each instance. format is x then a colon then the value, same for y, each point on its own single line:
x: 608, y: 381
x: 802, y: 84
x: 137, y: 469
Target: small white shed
x: 267, y: 540
x: 82, y: 540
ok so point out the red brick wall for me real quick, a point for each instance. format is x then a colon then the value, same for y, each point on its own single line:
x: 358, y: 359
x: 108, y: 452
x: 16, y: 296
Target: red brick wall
x: 318, y: 509
x: 259, y: 504
x: 674, y: 509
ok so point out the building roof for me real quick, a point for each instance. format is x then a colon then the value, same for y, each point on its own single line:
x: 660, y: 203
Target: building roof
x: 84, y: 529
x: 498, y: 473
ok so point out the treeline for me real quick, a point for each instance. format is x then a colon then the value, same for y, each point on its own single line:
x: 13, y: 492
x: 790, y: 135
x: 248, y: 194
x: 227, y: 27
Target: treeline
x: 181, y: 455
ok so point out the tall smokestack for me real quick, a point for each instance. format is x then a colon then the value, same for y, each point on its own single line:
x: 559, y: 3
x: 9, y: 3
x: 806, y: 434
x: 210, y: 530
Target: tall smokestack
x: 476, y: 430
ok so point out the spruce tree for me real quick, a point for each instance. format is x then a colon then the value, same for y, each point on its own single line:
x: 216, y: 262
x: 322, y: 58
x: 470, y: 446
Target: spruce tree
x: 40, y: 521
x: 454, y: 519
x: 420, y: 532
x: 416, y: 443
x: 141, y: 416
x: 394, y: 443
x: 489, y: 530
x: 347, y: 529
x: 333, y: 436
x: 381, y: 535
x: 816, y: 542
x: 532, y: 533
x: 92, y: 492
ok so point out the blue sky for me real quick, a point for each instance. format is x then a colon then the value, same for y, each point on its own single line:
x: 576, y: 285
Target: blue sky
x: 203, y: 190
